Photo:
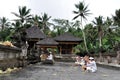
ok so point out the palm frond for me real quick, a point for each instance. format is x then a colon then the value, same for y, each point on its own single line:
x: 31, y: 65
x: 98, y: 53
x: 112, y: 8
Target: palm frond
x: 17, y: 15
x: 77, y: 6
x: 75, y: 12
x: 76, y: 17
x: 20, y: 10
x: 23, y: 10
x: 27, y: 12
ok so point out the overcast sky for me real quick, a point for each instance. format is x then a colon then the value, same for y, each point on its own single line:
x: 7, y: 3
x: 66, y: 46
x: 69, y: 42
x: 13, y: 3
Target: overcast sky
x: 59, y: 8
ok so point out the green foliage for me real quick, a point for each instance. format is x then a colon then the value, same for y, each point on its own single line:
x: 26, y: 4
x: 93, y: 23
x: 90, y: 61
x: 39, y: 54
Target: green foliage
x: 106, y: 30
x: 116, y: 18
x: 23, y: 15
x: 5, y: 34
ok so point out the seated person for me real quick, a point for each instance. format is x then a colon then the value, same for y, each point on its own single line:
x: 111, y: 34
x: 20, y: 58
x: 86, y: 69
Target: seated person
x: 79, y: 61
x: 49, y: 59
x: 43, y: 57
x: 90, y: 65
x: 50, y: 56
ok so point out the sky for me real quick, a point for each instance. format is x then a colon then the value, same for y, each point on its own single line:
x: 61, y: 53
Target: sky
x: 59, y: 8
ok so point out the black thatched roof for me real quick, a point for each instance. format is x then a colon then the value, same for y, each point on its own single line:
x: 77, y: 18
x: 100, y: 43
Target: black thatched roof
x: 34, y: 32
x: 67, y: 37
x: 47, y: 41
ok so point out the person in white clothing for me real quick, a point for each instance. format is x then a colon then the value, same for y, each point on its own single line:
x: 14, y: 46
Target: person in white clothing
x: 91, y: 65
x: 79, y: 61
x: 50, y: 57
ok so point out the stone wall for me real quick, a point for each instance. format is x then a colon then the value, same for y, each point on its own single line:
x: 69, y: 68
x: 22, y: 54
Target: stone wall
x: 108, y: 58
x: 9, y: 57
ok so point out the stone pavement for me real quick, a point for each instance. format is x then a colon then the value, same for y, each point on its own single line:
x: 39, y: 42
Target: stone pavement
x: 60, y: 71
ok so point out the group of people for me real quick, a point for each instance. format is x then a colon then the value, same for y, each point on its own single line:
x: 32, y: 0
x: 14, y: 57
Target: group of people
x: 47, y: 58
x: 87, y: 63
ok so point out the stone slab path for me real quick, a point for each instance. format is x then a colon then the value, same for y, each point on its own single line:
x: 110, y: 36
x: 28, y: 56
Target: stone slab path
x: 60, y: 71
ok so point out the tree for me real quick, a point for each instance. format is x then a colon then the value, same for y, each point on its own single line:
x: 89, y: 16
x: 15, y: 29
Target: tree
x: 4, y: 23
x: 82, y: 12
x: 59, y: 26
x: 91, y: 35
x: 116, y: 18
x: 24, y: 15
x: 99, y: 24
x: 36, y: 20
x: 21, y: 23
x: 44, y: 22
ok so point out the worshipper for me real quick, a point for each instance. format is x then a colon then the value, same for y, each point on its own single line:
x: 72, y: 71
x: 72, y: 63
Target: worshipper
x: 49, y: 59
x: 77, y: 62
x: 50, y: 56
x: 90, y: 65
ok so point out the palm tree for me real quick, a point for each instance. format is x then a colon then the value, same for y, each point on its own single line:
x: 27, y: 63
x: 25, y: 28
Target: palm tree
x: 35, y: 20
x: 82, y: 12
x: 99, y: 23
x: 91, y: 35
x: 116, y: 18
x: 4, y: 23
x: 44, y: 22
x: 24, y: 15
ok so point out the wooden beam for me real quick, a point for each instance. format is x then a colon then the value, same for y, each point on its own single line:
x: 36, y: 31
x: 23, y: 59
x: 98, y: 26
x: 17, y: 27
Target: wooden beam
x: 68, y: 42
x: 33, y: 39
x: 48, y: 46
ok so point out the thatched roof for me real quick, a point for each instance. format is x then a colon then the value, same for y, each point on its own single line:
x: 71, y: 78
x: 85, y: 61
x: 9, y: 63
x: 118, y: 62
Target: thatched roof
x: 47, y: 41
x: 67, y: 37
x: 34, y: 32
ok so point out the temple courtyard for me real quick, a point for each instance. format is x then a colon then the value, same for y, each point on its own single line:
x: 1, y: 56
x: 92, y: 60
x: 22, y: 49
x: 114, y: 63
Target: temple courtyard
x: 60, y: 71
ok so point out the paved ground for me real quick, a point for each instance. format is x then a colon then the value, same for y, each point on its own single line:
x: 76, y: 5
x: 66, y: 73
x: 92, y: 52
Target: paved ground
x: 60, y: 71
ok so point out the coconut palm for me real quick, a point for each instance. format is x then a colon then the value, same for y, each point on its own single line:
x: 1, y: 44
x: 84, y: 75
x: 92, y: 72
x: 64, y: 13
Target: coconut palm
x: 99, y: 24
x: 23, y: 15
x: 82, y: 12
x: 4, y: 23
x: 116, y: 18
x: 22, y: 21
x: 36, y: 20
x: 91, y: 35
x: 44, y: 22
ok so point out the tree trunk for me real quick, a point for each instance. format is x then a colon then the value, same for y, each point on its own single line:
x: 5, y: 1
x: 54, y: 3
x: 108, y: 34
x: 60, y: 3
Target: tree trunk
x: 100, y: 57
x: 118, y: 57
x: 100, y: 49
x: 84, y: 37
x: 85, y: 41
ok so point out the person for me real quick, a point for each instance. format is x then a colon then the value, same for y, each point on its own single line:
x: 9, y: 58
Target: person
x: 90, y: 64
x: 50, y: 56
x: 79, y: 61
x: 43, y: 57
